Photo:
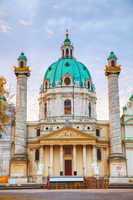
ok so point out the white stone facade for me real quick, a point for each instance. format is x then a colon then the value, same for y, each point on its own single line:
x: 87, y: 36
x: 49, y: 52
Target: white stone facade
x: 68, y: 140
x: 127, y: 130
x: 80, y: 99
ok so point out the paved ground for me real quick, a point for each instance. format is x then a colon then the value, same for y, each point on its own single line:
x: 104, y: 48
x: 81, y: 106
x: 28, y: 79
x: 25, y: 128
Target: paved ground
x: 67, y: 195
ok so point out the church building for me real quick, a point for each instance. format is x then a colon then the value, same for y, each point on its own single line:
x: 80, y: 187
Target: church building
x: 68, y: 143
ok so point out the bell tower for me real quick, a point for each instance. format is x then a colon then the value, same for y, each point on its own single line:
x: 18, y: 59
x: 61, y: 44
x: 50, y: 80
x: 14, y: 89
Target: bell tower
x: 117, y: 157
x: 19, y: 157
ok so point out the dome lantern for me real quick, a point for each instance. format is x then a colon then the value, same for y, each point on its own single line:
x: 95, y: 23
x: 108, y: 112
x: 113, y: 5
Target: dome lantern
x: 67, y: 47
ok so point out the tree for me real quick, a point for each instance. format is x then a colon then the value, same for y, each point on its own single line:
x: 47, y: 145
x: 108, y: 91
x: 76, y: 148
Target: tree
x: 4, y: 118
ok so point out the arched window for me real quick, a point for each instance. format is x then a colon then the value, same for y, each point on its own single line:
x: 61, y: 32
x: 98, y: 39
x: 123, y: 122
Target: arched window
x: 38, y: 132
x: 88, y: 84
x: 63, y: 53
x: 112, y: 63
x: 37, y: 155
x: 71, y: 52
x: 67, y: 107
x: 67, y: 81
x: 21, y: 64
x: 67, y: 52
x: 46, y: 85
x: 89, y: 109
x: 45, y: 110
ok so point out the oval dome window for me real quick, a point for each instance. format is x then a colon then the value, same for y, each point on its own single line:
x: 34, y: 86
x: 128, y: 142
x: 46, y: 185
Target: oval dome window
x: 67, y: 81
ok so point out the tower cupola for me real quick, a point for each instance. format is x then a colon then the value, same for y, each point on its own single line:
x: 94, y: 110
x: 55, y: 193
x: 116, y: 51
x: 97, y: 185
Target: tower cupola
x: 22, y: 60
x: 112, y: 59
x: 67, y: 47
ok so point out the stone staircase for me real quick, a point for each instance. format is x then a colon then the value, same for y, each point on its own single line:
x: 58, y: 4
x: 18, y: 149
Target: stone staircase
x: 121, y: 186
x: 86, y: 183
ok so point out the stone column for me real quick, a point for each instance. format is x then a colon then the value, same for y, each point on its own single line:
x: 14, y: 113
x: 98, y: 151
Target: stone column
x: 89, y: 167
x: 41, y: 161
x: 74, y: 160
x: 117, y: 159
x: 19, y: 159
x: 51, y: 160
x: 114, y: 114
x: 21, y: 115
x: 84, y: 160
x: 103, y: 162
x: 61, y: 160
x: 94, y: 158
x: 40, y: 166
x: 32, y: 170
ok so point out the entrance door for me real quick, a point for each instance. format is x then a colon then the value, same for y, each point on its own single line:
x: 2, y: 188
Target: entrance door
x: 68, y: 167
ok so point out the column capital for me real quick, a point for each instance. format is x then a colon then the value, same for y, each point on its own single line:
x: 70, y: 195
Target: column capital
x: 112, y: 70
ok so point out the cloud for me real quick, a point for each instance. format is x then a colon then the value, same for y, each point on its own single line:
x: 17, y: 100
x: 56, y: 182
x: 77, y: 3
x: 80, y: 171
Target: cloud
x: 25, y: 22
x: 4, y: 27
x: 96, y: 26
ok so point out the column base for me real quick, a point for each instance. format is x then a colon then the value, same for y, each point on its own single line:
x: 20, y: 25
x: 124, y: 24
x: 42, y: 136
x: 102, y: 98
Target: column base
x: 117, y: 163
x: 17, y: 180
x: 39, y: 179
x: 18, y: 169
x: 118, y: 180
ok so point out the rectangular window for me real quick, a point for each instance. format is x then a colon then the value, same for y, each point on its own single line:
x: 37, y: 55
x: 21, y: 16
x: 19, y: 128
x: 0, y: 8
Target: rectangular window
x: 38, y: 132
x: 37, y: 155
x: 67, y: 107
x: 45, y: 110
x: 97, y: 132
x: 99, y: 156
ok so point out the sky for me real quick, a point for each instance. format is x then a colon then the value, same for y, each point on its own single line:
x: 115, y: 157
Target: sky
x: 37, y: 28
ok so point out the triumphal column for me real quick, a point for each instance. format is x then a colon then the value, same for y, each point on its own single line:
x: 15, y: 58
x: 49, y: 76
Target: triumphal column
x: 19, y: 158
x: 117, y: 157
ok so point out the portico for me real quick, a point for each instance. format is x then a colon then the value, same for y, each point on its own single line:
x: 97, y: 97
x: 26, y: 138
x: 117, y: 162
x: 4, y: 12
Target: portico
x: 66, y: 152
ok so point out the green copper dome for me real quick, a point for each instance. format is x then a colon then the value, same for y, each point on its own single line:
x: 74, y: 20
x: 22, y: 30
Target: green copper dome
x: 22, y: 57
x: 67, y: 71
x: 112, y: 56
x: 78, y: 72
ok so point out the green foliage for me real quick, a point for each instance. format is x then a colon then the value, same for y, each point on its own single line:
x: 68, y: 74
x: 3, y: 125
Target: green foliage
x: 4, y: 118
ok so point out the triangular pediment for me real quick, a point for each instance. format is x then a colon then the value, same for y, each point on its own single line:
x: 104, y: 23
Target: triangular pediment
x: 68, y: 133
